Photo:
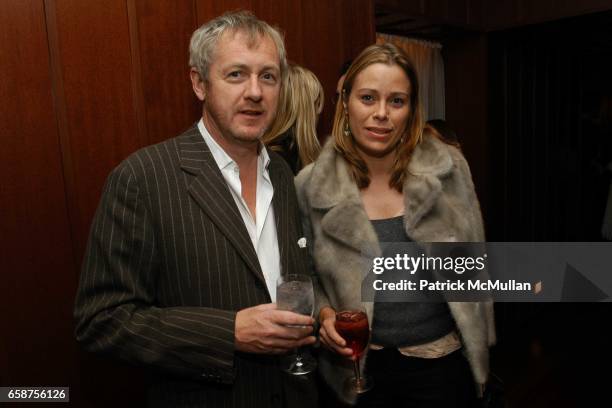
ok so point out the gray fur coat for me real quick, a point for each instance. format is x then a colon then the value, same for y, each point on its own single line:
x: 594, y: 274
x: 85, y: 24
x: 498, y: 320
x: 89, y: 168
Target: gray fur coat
x: 440, y: 206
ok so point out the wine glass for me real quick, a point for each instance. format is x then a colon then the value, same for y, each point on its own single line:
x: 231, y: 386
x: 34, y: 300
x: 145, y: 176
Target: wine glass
x: 296, y: 294
x: 352, y: 326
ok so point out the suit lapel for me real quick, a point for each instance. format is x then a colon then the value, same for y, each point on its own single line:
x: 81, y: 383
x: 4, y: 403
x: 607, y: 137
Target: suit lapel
x: 282, y: 213
x: 210, y: 191
x: 293, y: 259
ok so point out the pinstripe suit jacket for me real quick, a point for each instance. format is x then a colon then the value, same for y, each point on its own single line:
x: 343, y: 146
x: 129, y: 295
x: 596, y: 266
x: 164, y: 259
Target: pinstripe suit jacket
x: 169, y: 263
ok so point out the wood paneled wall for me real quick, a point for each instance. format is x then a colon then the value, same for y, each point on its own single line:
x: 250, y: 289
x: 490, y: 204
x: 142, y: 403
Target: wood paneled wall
x: 36, y: 257
x: 84, y: 84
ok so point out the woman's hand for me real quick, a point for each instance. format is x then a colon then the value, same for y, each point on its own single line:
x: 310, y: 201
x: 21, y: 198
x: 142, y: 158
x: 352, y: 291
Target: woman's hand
x: 328, y: 334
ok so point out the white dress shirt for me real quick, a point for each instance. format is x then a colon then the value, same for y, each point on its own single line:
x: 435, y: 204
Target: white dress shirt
x: 262, y: 230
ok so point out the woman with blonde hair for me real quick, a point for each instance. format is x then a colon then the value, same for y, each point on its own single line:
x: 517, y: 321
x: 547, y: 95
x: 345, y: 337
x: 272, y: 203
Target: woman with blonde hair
x: 293, y: 134
x: 384, y: 177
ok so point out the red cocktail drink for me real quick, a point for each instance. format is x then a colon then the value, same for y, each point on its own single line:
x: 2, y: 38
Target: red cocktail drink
x: 353, y: 327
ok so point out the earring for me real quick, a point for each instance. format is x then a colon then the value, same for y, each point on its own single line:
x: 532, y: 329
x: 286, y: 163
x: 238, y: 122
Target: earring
x: 347, y: 128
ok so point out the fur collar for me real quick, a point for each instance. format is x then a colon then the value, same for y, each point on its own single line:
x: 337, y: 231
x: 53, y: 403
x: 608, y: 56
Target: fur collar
x: 332, y: 190
x: 331, y: 182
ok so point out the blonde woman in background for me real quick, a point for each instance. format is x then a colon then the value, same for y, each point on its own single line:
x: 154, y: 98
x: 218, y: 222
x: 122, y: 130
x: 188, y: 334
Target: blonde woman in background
x: 293, y: 133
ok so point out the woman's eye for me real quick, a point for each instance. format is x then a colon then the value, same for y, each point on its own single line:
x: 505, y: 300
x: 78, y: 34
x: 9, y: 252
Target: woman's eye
x: 367, y: 98
x: 397, y: 101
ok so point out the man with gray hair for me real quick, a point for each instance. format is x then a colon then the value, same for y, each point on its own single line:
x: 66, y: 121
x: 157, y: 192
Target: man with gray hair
x: 191, y: 235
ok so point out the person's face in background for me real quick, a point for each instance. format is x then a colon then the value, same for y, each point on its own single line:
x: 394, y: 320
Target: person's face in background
x: 339, y: 85
x: 338, y: 94
x: 242, y: 89
x: 379, y: 108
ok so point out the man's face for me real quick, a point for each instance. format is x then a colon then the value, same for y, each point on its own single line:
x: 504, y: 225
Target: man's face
x: 241, y: 92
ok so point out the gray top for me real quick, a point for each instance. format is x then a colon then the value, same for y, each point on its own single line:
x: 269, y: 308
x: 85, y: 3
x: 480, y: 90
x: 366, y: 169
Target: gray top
x: 397, y: 323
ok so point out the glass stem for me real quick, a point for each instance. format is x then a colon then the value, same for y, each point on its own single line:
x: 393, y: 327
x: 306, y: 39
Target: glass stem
x: 357, y: 371
x: 298, y: 357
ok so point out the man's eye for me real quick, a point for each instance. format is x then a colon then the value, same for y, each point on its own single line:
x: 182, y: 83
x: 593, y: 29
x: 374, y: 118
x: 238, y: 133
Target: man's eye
x: 268, y: 77
x: 235, y: 74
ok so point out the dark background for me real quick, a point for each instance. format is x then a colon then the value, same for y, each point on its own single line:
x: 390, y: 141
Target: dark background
x: 84, y: 83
